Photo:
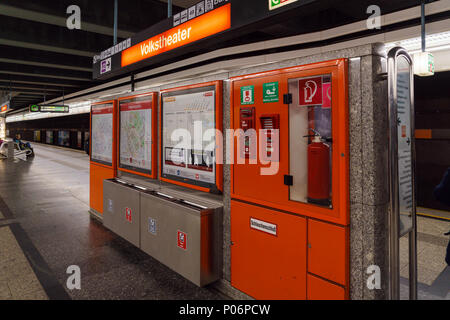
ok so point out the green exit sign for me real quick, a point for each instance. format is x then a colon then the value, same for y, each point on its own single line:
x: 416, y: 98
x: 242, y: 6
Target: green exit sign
x: 49, y: 108
x: 34, y: 108
x: 275, y: 4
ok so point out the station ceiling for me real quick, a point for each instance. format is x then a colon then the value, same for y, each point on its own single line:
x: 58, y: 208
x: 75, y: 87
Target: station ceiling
x: 41, y: 59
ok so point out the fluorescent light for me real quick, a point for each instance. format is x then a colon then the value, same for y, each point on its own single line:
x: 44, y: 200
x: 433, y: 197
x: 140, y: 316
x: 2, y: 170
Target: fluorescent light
x: 435, y: 42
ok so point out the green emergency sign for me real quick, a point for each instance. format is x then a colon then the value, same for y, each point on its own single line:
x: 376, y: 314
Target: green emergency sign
x: 270, y: 92
x: 275, y: 4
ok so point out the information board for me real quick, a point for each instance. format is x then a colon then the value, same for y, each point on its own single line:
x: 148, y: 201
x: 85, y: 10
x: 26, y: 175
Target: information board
x: 190, y: 114
x: 102, y: 133
x: 135, y: 151
x: 405, y: 182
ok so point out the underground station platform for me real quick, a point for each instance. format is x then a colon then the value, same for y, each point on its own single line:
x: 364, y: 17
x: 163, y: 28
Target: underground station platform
x: 235, y: 152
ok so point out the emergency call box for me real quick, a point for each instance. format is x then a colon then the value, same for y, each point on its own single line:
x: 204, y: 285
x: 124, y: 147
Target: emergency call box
x: 296, y: 157
x: 137, y: 131
x: 289, y: 182
x: 191, y: 136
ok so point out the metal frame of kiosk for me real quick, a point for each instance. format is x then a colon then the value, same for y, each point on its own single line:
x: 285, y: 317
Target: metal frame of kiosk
x: 402, y: 168
x: 100, y: 169
x: 152, y: 173
x: 290, y: 236
x: 175, y: 177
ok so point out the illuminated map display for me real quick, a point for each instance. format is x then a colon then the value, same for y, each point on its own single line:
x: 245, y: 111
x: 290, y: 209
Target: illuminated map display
x: 136, y: 134
x: 189, y: 114
x: 102, y: 133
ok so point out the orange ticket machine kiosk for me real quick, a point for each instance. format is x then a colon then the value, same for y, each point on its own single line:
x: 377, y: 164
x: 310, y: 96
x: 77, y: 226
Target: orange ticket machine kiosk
x: 289, y: 183
x: 103, y: 164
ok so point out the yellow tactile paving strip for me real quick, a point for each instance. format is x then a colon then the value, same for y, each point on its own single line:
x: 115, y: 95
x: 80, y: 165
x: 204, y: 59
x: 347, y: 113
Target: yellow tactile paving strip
x: 17, y: 279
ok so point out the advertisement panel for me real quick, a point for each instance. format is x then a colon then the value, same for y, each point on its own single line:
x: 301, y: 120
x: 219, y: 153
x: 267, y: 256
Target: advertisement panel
x: 37, y: 136
x: 49, y: 137
x: 102, y: 133
x: 188, y: 135
x: 64, y: 138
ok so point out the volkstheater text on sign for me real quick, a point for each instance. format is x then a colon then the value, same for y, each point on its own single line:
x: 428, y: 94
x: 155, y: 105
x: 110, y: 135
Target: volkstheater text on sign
x: 202, y: 27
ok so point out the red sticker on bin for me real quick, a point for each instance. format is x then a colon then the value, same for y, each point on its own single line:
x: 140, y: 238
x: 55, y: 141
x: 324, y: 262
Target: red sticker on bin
x: 182, y: 239
x: 128, y: 215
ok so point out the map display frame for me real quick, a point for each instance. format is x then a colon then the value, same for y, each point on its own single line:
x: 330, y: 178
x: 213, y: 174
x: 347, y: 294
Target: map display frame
x: 137, y: 134
x: 102, y: 140
x: 180, y: 109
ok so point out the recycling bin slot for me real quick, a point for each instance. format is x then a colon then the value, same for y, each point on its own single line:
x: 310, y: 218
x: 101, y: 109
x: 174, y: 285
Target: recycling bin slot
x: 121, y: 203
x: 183, y: 235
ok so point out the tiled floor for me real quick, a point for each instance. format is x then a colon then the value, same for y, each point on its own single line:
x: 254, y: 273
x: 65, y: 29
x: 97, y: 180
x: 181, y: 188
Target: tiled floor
x: 433, y: 273
x: 45, y: 228
x: 17, y: 278
x: 47, y: 199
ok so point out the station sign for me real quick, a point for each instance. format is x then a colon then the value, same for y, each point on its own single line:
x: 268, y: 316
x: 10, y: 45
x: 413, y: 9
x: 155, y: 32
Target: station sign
x: 202, y: 27
x: 49, y: 108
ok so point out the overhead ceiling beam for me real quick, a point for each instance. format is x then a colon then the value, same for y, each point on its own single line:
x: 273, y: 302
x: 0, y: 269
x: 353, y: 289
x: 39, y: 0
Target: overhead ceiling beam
x: 30, y: 15
x: 41, y: 64
x: 44, y: 75
x: 182, y: 3
x: 87, y: 76
x: 53, y: 36
x: 13, y: 79
x: 28, y: 93
x: 42, y: 47
x: 38, y: 56
x: 4, y: 85
x: 23, y: 100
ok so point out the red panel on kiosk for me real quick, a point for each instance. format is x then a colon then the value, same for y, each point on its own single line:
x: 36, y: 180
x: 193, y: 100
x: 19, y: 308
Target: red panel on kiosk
x: 319, y: 289
x: 272, y: 201
x: 328, y: 251
x: 268, y: 253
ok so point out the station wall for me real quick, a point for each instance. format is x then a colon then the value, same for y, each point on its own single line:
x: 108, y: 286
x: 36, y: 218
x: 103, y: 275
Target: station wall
x: 368, y: 159
x: 74, y: 128
x: 433, y: 144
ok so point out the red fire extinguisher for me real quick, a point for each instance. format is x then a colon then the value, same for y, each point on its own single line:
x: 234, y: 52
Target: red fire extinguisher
x: 318, y: 171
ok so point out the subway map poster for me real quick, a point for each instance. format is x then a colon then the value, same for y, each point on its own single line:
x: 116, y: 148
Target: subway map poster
x: 102, y: 133
x: 136, y: 134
